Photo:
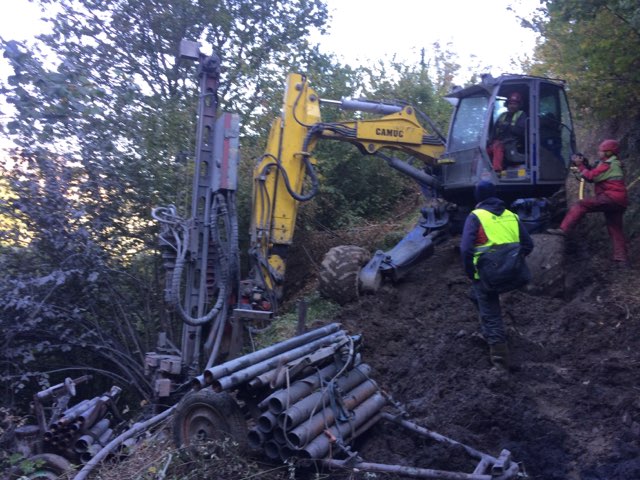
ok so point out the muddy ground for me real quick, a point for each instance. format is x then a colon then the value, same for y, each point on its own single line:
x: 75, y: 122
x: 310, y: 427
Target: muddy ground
x: 569, y: 409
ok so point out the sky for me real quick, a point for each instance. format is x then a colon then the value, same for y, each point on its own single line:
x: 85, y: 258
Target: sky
x: 485, y: 36
x: 366, y: 30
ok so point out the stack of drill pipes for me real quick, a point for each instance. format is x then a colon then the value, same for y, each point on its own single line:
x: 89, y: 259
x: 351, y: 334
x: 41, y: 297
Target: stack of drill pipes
x: 277, y: 402
x: 242, y: 376
x: 134, y: 430
x: 271, y: 437
x: 277, y: 377
x: 281, y: 399
x: 310, y: 429
x: 94, y: 448
x: 319, y: 446
x: 71, y: 414
x: 304, y: 408
x: 58, y: 431
x: 245, y: 361
x: 82, y: 444
x: 91, y: 415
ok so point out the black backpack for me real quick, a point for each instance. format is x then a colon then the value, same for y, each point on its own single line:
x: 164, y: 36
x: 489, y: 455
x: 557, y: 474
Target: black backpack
x: 503, y: 268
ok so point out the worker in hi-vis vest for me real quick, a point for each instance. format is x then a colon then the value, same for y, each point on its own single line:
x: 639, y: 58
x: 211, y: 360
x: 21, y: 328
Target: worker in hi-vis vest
x: 488, y: 225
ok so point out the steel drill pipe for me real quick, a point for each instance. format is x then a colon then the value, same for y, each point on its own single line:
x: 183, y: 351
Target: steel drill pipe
x: 92, y: 451
x: 286, y: 452
x: 108, y: 449
x: 73, y: 427
x: 304, y: 408
x: 256, y: 438
x: 277, y: 377
x: 242, y: 376
x: 319, y: 446
x: 272, y: 449
x: 91, y: 415
x: 278, y: 435
x: 126, y: 448
x: 69, y: 385
x: 198, y: 383
x: 417, y: 472
x: 82, y: 444
x: 313, y: 427
x: 70, y: 414
x: 281, y: 399
x: 267, y: 422
x: 425, y: 432
x: 245, y: 361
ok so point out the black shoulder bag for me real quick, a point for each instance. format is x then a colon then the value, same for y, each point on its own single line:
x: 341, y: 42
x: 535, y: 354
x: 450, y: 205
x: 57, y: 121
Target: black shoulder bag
x: 503, y: 268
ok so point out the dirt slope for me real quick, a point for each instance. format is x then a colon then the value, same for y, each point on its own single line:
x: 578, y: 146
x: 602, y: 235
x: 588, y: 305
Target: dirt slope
x: 570, y: 409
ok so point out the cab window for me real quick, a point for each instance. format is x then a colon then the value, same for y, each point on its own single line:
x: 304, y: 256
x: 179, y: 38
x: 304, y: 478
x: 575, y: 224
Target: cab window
x: 468, y: 123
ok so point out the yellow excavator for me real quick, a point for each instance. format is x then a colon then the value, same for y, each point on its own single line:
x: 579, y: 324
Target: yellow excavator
x: 449, y: 168
x: 201, y: 253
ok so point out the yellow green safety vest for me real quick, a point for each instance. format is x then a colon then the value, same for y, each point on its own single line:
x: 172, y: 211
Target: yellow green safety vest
x: 514, y: 117
x: 615, y: 171
x: 499, y: 229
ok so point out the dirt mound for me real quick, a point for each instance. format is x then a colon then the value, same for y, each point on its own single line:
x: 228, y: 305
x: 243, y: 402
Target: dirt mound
x: 570, y: 409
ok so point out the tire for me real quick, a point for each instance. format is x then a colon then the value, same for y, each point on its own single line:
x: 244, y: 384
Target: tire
x: 206, y: 416
x: 338, y: 279
x: 47, y: 466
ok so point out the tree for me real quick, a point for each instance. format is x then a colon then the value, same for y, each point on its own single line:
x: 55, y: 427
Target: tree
x: 594, y: 45
x: 104, y: 122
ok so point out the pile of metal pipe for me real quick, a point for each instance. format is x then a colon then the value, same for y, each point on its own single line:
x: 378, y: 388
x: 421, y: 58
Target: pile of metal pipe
x: 81, y: 430
x: 305, y: 418
x: 314, y: 385
x: 236, y: 372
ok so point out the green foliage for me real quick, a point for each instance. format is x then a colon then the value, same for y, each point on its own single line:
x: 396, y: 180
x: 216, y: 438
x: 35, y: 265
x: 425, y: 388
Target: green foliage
x: 357, y: 187
x: 104, y: 118
x: 595, y: 46
x: 318, y: 309
x: 67, y: 305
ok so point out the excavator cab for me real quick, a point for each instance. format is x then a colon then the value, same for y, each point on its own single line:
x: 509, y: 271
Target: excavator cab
x: 534, y: 164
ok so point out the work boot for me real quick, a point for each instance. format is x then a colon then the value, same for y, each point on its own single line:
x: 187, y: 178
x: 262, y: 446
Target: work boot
x: 556, y: 231
x: 499, y: 355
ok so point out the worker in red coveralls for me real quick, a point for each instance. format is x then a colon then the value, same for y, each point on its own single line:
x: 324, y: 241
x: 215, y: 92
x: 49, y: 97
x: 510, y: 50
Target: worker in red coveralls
x: 611, y: 198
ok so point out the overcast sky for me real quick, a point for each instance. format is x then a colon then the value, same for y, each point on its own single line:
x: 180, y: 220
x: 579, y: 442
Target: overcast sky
x: 365, y: 30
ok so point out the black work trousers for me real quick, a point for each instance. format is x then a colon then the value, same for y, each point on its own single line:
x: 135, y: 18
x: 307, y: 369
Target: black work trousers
x: 491, y: 322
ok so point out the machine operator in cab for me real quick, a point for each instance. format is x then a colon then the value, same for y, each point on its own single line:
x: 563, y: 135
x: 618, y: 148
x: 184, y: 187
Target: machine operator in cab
x: 508, y: 132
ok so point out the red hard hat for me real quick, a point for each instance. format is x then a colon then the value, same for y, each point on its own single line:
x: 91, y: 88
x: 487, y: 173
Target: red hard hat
x: 515, y: 97
x: 610, y: 146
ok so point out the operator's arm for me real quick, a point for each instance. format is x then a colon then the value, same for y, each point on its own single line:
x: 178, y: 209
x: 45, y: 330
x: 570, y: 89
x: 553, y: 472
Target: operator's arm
x: 468, y: 244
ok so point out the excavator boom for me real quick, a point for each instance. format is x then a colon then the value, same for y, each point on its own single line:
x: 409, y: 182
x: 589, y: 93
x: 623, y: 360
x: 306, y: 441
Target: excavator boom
x: 285, y: 175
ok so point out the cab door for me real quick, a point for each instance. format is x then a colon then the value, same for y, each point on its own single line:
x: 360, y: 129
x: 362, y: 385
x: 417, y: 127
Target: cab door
x: 556, y: 138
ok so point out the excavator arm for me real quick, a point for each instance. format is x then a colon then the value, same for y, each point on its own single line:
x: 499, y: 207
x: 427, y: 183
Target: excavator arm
x: 285, y: 175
